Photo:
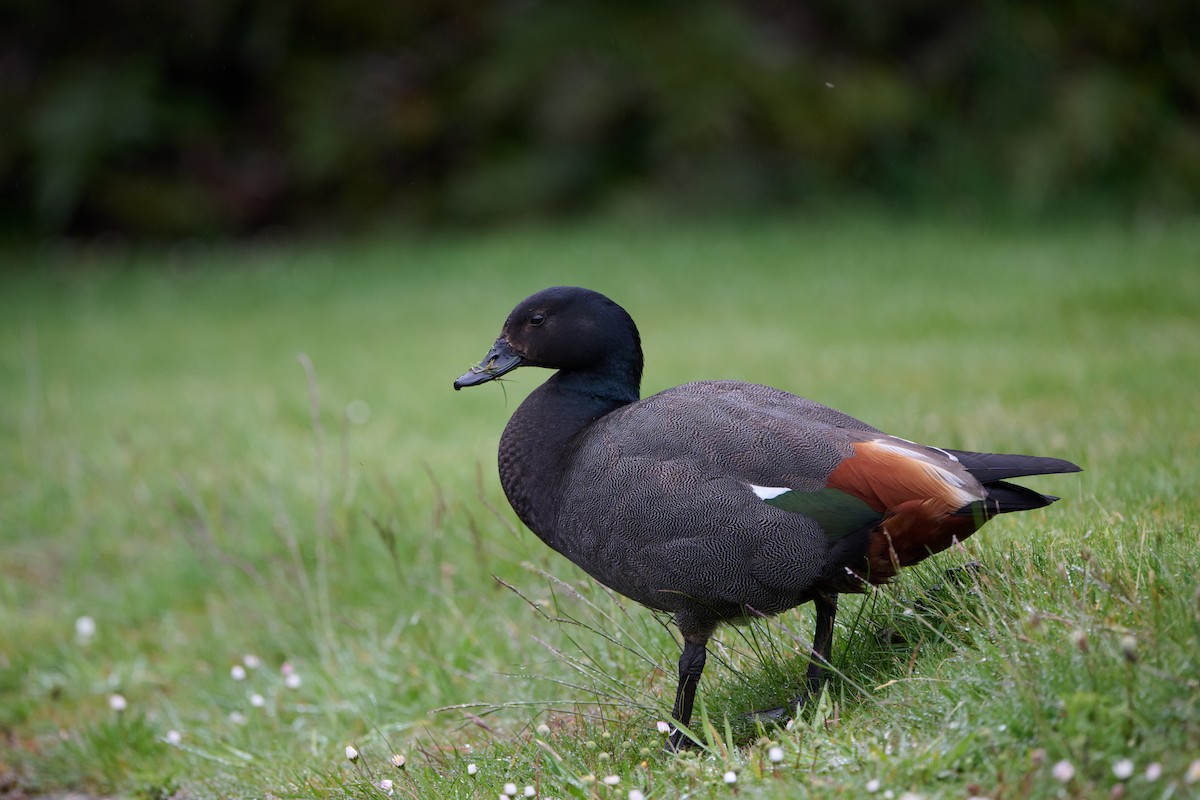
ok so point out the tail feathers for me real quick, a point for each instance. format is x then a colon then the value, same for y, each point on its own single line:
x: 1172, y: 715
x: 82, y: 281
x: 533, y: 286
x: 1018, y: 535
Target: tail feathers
x: 992, y: 467
x: 1003, y: 497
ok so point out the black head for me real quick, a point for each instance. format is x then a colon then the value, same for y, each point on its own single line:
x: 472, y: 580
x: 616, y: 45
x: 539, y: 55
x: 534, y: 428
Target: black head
x: 569, y: 329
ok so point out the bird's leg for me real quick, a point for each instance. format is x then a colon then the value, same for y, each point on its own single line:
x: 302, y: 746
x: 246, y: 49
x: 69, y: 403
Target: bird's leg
x: 826, y: 607
x: 822, y: 647
x: 691, y: 665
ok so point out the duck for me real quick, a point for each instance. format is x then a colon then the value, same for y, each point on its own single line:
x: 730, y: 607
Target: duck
x: 719, y: 501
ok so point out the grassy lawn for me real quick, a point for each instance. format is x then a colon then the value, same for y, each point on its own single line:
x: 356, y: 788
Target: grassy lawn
x: 247, y: 469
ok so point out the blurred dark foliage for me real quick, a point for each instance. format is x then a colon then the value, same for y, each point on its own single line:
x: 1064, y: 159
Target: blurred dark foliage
x: 200, y: 117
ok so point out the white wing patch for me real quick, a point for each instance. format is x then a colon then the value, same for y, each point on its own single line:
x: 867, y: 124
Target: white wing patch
x: 946, y: 453
x: 900, y: 450
x: 769, y: 492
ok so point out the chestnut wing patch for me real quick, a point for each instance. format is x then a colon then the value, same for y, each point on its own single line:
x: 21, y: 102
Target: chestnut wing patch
x: 920, y: 492
x: 910, y: 498
x: 887, y: 472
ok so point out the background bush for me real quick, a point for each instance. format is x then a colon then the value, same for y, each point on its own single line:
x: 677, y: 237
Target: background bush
x: 235, y: 116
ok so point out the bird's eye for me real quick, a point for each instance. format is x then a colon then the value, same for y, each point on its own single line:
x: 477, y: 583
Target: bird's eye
x: 537, y: 319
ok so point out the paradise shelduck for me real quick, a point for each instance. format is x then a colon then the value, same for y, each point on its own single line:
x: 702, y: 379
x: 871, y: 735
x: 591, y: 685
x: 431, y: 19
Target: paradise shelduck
x: 720, y: 500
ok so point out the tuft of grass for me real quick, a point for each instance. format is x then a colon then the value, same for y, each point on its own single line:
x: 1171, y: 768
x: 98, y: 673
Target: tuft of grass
x: 246, y: 466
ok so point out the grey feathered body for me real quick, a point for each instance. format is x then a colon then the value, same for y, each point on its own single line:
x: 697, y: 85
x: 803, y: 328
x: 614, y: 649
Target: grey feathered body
x: 654, y: 498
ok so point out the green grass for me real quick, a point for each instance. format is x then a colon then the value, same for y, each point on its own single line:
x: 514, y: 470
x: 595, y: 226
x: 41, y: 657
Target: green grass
x: 171, y: 469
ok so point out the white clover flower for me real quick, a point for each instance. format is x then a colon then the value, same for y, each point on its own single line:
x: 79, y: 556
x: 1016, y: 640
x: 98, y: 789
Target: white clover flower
x: 662, y: 727
x: 634, y: 794
x: 612, y: 780
x: 472, y: 769
x: 237, y: 672
x: 292, y: 680
x: 286, y: 668
x: 251, y: 661
x: 351, y: 753
x: 237, y: 718
x: 543, y: 730
x: 775, y: 755
x: 257, y: 700
x: 1123, y: 769
x: 873, y: 785
x: 1063, y: 771
x: 1153, y: 771
x: 510, y: 789
x: 174, y: 737
x: 117, y: 702
x: 530, y: 791
x: 1193, y: 772
x: 85, y: 629
x: 386, y: 786
x: 730, y: 777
